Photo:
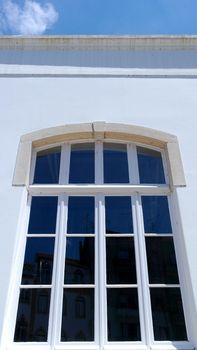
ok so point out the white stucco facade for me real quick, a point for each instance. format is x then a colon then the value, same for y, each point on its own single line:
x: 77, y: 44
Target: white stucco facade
x: 149, y: 82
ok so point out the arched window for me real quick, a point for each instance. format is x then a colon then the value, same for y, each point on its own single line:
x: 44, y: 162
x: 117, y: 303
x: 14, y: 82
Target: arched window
x: 102, y: 208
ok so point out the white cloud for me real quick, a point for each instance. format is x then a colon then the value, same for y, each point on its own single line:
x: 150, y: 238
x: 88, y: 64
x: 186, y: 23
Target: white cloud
x: 30, y: 19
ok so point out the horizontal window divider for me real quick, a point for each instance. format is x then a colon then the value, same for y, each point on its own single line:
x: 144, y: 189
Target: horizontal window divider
x: 41, y: 235
x: 164, y: 285
x: 79, y: 286
x: 30, y: 346
x: 158, y: 234
x: 129, y: 345
x: 35, y: 286
x: 171, y: 345
x: 119, y: 235
x: 121, y: 286
x: 87, y: 190
x: 77, y: 346
x: 80, y: 235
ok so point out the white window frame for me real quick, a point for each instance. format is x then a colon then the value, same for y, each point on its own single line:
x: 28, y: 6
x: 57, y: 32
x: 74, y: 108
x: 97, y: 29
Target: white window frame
x: 62, y: 189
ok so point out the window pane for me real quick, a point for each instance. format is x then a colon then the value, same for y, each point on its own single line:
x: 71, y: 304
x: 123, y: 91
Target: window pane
x: 78, y: 321
x: 150, y: 166
x: 161, y: 258
x: 115, y: 163
x: 156, y: 214
x: 47, y: 166
x: 123, y: 315
x: 80, y: 215
x: 167, y: 311
x: 38, y: 263
x: 82, y: 163
x: 118, y: 216
x: 33, y: 315
x: 43, y: 215
x: 120, y: 260
x: 79, y: 264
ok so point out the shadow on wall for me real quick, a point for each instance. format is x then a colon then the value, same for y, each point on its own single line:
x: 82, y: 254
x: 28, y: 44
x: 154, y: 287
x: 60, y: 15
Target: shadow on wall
x: 100, y: 58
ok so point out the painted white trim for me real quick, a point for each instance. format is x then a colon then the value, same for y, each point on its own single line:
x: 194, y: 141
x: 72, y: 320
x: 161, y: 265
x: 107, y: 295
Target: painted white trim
x: 95, y: 189
x: 14, y: 70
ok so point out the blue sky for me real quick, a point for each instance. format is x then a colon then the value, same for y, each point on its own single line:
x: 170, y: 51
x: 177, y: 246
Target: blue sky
x: 61, y: 17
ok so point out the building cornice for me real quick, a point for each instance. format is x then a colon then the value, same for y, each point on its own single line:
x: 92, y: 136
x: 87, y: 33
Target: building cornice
x: 106, y: 42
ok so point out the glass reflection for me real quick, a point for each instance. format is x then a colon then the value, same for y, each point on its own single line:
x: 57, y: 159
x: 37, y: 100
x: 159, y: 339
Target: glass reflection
x: 79, y: 263
x: 43, y: 215
x: 150, y: 166
x: 161, y: 258
x: 47, y: 166
x: 156, y: 214
x: 82, y: 163
x: 120, y: 260
x: 33, y: 315
x: 78, y: 322
x: 80, y: 215
x: 115, y: 163
x: 167, y: 312
x: 118, y: 215
x: 123, y: 314
x: 38, y: 263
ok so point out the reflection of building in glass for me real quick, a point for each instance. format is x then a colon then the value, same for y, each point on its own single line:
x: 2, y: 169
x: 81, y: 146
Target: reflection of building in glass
x: 77, y: 322
x: 33, y: 312
x: 32, y: 318
x: 80, y: 307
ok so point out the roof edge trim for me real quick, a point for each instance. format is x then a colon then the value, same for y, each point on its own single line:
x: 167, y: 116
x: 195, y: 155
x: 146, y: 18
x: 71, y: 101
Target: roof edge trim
x: 103, y: 41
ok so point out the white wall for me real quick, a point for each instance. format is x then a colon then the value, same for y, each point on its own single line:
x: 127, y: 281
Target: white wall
x: 32, y: 103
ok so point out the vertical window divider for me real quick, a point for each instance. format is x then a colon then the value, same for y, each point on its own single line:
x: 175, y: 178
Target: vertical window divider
x: 32, y: 168
x: 133, y: 164
x: 176, y: 229
x: 18, y: 261
x: 102, y: 275
x: 138, y: 271
x: 64, y: 164
x: 165, y: 167
x: 96, y: 267
x: 59, y: 271
x: 146, y: 303
x: 99, y: 163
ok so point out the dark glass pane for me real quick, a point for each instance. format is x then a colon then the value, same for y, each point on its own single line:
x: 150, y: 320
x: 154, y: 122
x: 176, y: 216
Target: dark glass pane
x: 115, y: 163
x: 123, y: 314
x: 120, y: 260
x: 161, y: 258
x: 78, y: 321
x: 79, y: 264
x: 82, y: 163
x: 80, y: 215
x: 168, y: 317
x: 150, y: 166
x: 32, y: 315
x: 118, y: 215
x: 43, y: 215
x: 47, y: 166
x: 156, y: 214
x: 38, y: 263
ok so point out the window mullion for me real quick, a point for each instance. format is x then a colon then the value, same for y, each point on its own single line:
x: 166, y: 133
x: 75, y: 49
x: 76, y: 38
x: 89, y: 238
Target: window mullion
x: 98, y: 162
x: 165, y: 167
x: 32, y: 168
x: 64, y: 164
x: 144, y: 282
x: 133, y: 164
x: 56, y: 305
x: 102, y: 274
